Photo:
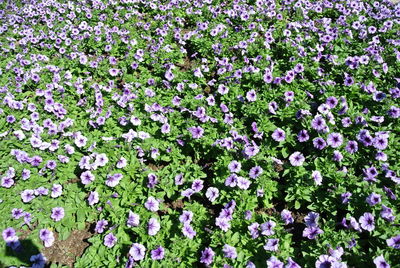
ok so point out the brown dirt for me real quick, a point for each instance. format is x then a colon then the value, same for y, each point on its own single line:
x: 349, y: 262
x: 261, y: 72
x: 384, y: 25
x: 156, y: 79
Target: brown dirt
x: 268, y: 211
x: 154, y: 167
x: 177, y: 204
x: 65, y: 252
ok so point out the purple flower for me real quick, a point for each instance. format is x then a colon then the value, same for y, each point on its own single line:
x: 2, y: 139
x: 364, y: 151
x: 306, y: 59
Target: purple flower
x: 317, y: 177
x: 47, y: 237
x: 188, y: 231
x: 292, y: 264
x: 335, y: 140
x: 229, y: 251
x: 296, y: 159
x: 93, y: 198
x: 351, y: 147
x: 186, y: 217
x: 380, y: 262
x: 57, y: 213
x: 87, y: 177
x: 303, y: 136
x: 318, y: 123
x: 267, y: 228
x: 325, y: 261
x: 9, y: 235
x: 153, y: 226
x: 243, y: 183
x: 169, y: 75
x: 27, y: 195
x: 100, y: 226
x: 279, y: 135
x: 394, y: 242
x: 223, y: 223
x: 367, y: 221
x: 197, y: 132
x: 387, y: 213
x: 255, y: 172
x: 158, y: 253
x: 133, y: 219
x: 311, y: 220
x: 207, y: 256
x: 56, y: 190
x: 110, y: 240
x: 272, y: 245
x: 373, y: 199
x: 122, y: 162
x: 137, y: 251
x: 380, y: 142
x: 251, y: 96
x: 113, y: 72
x: 273, y: 262
x: 179, y: 179
x: 38, y: 261
x: 212, y: 193
x: 152, y: 204
x: 319, y: 143
x: 17, y: 213
x: 234, y: 166
x: 197, y: 185
x: 312, y: 232
x: 346, y: 197
x: 286, y: 216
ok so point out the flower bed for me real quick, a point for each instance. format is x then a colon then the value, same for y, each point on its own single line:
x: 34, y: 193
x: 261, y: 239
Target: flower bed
x: 200, y: 133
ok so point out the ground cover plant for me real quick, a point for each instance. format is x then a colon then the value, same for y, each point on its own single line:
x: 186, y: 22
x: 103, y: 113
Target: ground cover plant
x: 206, y: 133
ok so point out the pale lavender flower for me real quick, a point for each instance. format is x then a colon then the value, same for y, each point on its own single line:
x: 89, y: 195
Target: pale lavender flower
x: 279, y: 135
x: 56, y: 190
x: 367, y: 221
x: 158, y: 253
x: 394, y: 242
x: 273, y: 262
x: 229, y: 251
x: 234, y: 166
x: 335, y: 140
x: 87, y: 177
x: 296, y: 159
x: 153, y: 226
x: 47, y: 237
x: 212, y: 193
x: 137, y: 251
x: 255, y: 172
x: 93, y: 198
x: 373, y: 199
x: 267, y: 228
x: 27, y: 195
x: 272, y: 245
x: 188, y: 231
x: 186, y: 217
x: 380, y: 262
x: 197, y: 132
x: 100, y: 226
x: 312, y: 232
x: 110, y: 240
x: 122, y: 162
x: 57, y: 213
x: 286, y: 216
x: 133, y: 219
x: 207, y: 256
x: 197, y: 185
x: 317, y: 177
x: 9, y: 234
x: 251, y: 95
x: 152, y: 204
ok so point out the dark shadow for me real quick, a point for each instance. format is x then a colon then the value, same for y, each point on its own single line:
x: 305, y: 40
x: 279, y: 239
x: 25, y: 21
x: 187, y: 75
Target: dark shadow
x: 22, y: 252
